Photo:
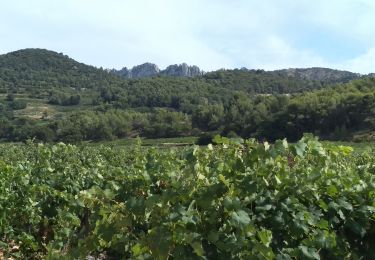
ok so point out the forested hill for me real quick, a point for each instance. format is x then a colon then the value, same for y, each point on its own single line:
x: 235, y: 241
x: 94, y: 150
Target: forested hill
x: 253, y: 81
x: 39, y: 69
x: 279, y: 81
x: 34, y: 70
x: 320, y: 74
x: 50, y: 97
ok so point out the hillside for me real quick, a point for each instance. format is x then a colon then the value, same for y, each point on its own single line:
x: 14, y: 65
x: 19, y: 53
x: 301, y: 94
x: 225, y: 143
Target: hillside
x: 35, y: 71
x: 54, y: 78
x: 51, y: 97
x: 280, y: 81
x: 260, y: 81
x: 325, y: 75
x: 255, y: 81
x: 317, y: 74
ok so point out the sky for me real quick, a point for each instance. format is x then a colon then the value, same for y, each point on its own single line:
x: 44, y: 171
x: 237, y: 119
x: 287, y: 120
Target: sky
x: 213, y: 34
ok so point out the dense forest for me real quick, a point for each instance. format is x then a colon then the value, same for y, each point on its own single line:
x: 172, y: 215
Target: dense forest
x: 50, y: 97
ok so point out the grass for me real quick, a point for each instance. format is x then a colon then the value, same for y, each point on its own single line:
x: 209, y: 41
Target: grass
x: 36, y: 111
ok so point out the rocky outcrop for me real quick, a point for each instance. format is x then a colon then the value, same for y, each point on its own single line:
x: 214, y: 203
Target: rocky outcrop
x: 321, y: 74
x: 124, y: 72
x: 151, y: 70
x: 145, y: 70
x: 182, y: 70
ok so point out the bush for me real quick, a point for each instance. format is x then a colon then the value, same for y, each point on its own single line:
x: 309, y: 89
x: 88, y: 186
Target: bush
x: 206, y: 138
x: 18, y: 104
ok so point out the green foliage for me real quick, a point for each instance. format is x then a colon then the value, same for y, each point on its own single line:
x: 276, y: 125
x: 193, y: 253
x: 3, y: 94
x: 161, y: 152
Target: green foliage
x: 63, y: 99
x: 112, y: 124
x: 260, y: 81
x: 235, y: 200
x: 245, y: 103
x: 38, y: 70
x: 10, y: 97
x: 18, y: 104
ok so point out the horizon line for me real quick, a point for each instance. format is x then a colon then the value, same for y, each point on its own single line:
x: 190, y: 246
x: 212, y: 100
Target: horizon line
x: 149, y: 62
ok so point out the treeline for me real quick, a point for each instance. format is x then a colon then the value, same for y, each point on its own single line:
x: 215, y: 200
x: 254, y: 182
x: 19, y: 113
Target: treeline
x: 10, y: 103
x: 97, y: 125
x: 335, y: 113
x: 63, y: 99
x: 260, y: 81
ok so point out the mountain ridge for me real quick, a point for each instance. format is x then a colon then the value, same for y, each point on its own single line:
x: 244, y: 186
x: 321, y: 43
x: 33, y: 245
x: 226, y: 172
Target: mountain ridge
x: 321, y: 74
x: 40, y: 71
x: 151, y: 70
x: 148, y: 69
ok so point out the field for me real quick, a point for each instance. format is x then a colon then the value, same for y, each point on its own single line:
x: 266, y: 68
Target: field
x: 233, y: 200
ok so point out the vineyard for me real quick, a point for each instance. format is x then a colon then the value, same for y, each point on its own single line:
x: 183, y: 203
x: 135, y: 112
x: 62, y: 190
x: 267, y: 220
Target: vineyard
x: 234, y: 200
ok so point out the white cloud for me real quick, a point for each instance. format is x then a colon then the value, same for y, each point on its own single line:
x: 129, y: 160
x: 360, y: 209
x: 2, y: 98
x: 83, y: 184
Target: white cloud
x: 211, y: 33
x: 364, y: 63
